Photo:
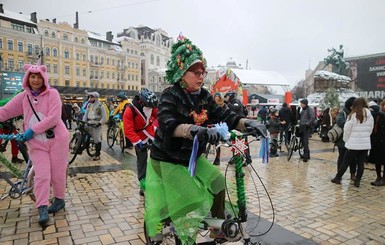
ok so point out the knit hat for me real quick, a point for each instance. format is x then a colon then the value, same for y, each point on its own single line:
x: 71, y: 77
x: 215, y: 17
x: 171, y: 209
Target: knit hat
x: 304, y: 101
x: 217, y: 94
x: 349, y: 103
x: 184, y: 54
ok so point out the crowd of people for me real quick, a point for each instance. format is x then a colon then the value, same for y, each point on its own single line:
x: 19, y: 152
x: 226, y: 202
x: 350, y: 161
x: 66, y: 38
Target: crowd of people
x: 164, y: 132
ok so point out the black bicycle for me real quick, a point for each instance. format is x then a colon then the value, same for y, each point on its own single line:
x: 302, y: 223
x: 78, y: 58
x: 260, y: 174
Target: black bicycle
x: 234, y: 227
x: 81, y: 140
x: 295, y: 143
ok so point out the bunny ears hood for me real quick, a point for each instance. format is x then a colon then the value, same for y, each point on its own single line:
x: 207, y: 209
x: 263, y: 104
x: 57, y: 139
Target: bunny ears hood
x: 29, y: 68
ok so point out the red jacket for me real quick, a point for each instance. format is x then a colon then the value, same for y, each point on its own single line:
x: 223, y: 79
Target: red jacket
x: 139, y: 123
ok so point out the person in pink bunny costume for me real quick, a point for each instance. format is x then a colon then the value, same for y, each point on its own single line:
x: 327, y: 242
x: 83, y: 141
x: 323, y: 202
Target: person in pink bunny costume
x: 49, y: 157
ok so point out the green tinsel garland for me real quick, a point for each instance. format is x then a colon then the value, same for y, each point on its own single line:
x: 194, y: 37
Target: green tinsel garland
x: 10, y: 166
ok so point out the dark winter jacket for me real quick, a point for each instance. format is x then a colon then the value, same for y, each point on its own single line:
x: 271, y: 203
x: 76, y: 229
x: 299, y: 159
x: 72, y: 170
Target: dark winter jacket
x: 285, y: 115
x: 307, y: 117
x: 377, y: 139
x: 175, y: 108
x: 340, y: 121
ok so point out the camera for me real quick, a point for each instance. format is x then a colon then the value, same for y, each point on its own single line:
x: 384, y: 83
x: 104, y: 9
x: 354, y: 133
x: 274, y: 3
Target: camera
x: 50, y: 133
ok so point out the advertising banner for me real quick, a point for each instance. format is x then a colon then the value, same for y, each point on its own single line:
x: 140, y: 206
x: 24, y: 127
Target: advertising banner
x: 368, y: 76
x: 10, y: 82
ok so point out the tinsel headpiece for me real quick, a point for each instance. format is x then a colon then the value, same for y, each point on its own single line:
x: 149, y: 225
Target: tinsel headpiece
x: 184, y: 54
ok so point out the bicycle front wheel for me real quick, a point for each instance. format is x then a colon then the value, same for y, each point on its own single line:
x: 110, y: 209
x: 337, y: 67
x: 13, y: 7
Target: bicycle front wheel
x: 300, y: 149
x: 91, y: 149
x: 292, y: 144
x: 111, y: 136
x: 75, y: 147
x: 167, y: 236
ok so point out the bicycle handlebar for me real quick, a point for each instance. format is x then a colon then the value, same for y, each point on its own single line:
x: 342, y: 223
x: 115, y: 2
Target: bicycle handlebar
x: 9, y: 137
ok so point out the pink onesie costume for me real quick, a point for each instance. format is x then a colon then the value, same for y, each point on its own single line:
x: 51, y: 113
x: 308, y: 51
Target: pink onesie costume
x: 49, y: 156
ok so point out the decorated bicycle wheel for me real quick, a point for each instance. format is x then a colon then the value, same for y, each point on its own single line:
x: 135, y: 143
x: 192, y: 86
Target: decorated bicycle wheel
x: 111, y: 136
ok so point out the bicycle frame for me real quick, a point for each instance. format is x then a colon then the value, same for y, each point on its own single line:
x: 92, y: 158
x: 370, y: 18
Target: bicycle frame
x: 81, y: 140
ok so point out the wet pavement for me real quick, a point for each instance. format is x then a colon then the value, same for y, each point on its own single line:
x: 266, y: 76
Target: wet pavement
x: 103, y: 205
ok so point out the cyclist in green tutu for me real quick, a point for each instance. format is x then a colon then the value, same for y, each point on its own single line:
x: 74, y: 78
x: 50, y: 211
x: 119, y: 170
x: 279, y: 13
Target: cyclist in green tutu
x: 184, y: 111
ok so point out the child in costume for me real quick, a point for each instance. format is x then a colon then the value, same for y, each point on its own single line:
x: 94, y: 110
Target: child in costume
x: 185, y: 110
x: 41, y: 107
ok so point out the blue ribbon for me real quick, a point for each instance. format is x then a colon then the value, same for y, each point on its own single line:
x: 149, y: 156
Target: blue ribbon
x: 264, y: 150
x: 193, y: 157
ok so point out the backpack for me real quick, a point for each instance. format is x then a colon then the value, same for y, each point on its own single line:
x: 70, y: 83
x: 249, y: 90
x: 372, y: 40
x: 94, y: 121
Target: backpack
x: 335, y: 133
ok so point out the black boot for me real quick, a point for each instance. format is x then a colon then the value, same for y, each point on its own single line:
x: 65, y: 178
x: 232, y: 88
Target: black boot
x: 98, y: 148
x: 17, y: 160
x: 57, y: 205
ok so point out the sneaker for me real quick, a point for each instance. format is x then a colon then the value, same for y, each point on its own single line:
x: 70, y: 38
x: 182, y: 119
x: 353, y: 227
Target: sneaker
x: 43, y: 215
x: 57, y: 205
x: 17, y: 160
x: 357, y: 183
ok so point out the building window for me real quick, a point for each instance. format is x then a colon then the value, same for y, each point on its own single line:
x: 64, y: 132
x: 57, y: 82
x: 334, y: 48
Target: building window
x: 67, y: 70
x: 37, y: 49
x: 96, y: 59
x: 17, y: 27
x: 129, y: 65
x: 157, y: 61
x: 152, y: 59
x: 83, y: 41
x: 47, y: 51
x: 66, y: 54
x: 67, y: 83
x: 65, y: 36
x: 84, y: 73
x: 77, y: 71
x: 48, y: 67
x: 113, y: 62
x: 76, y: 39
x: 53, y: 34
x: 46, y: 33
x: 84, y: 57
x: 77, y: 55
x: 10, y: 64
x: 92, y: 59
x: 28, y: 29
x: 136, y: 65
x: 84, y: 84
x: 10, y: 45
x: 54, y: 52
x: 55, y: 82
x: 55, y: 68
x: 77, y: 84
x: 20, y: 46
x: 1, y: 43
x: 102, y: 60
x: 108, y: 61
x: 21, y: 63
x: 113, y: 75
x: 108, y: 74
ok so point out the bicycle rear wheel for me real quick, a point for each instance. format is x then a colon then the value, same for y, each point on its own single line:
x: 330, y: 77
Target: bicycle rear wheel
x: 121, y: 140
x: 292, y: 144
x: 300, y: 149
x: 75, y: 146
x: 111, y: 136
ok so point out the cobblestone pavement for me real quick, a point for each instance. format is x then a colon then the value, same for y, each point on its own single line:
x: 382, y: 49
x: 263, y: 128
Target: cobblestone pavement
x: 103, y: 205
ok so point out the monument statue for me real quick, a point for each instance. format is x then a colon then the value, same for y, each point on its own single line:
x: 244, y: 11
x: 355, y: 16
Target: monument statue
x: 336, y: 59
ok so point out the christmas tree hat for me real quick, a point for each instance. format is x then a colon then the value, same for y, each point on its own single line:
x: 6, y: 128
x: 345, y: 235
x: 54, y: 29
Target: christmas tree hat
x: 184, y: 54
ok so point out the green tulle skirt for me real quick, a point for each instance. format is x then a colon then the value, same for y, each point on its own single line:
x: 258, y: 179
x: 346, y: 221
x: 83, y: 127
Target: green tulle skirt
x: 172, y: 193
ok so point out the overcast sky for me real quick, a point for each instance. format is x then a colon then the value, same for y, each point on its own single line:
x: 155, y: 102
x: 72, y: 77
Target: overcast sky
x: 286, y: 36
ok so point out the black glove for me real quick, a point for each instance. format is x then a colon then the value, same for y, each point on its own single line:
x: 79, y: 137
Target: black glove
x: 254, y: 125
x: 210, y: 135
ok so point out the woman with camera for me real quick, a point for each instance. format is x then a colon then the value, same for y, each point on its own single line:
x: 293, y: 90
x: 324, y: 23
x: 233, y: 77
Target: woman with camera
x: 45, y: 134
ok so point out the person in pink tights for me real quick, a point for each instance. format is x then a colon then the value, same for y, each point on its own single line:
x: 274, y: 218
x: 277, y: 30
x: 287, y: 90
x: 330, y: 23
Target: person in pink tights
x: 45, y: 134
